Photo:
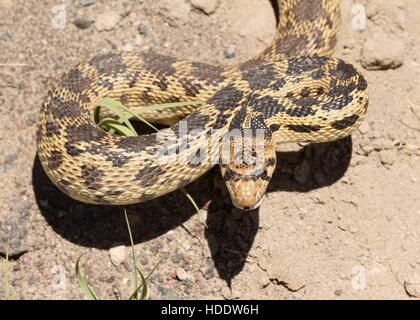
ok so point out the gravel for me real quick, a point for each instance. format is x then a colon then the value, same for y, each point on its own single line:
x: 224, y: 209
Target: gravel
x: 86, y: 3
x: 118, y: 255
x: 383, y: 51
x: 107, y: 20
x: 142, y: 29
x: 206, y: 6
x: 230, y: 51
x: 82, y: 22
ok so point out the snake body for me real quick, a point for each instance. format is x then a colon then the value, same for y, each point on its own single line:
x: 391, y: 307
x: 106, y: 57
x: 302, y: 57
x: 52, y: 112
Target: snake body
x: 294, y: 91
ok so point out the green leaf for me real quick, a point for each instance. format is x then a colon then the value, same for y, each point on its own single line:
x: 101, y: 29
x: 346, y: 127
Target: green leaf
x: 130, y: 235
x: 84, y: 283
x: 143, y: 286
x: 185, y: 192
x: 112, y: 124
x: 117, y: 108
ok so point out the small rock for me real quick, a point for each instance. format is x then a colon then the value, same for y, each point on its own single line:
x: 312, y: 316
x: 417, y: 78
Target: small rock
x: 338, y: 292
x: 82, y: 22
x: 118, y: 255
x: 86, y: 3
x: 264, y: 281
x: 387, y: 158
x: 227, y: 293
x: 127, y: 47
x: 107, y: 20
x: 110, y: 279
x: 366, y: 148
x: 170, y: 235
x: 9, y: 159
x: 207, y: 6
x: 176, y: 258
x: 183, y: 275
x: 302, y: 172
x: 208, y: 269
x: 382, y: 51
x: 176, y: 9
x: 186, y: 245
x: 230, y: 51
x: 143, y: 260
x: 142, y: 29
x: 172, y: 274
x: 364, y: 127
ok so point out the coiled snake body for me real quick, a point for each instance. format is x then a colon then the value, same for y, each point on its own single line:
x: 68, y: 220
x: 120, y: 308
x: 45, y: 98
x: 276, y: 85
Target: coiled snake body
x: 292, y: 92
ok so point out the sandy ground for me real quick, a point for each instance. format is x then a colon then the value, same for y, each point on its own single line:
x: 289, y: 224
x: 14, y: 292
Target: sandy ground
x: 341, y: 220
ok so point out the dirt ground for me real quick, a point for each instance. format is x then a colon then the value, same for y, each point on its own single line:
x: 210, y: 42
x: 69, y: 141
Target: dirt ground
x: 341, y: 220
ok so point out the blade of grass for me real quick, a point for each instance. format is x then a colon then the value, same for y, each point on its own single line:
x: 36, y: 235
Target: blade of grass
x: 117, y: 108
x: 144, y: 283
x: 132, y: 251
x: 112, y: 124
x: 185, y: 192
x: 84, y: 283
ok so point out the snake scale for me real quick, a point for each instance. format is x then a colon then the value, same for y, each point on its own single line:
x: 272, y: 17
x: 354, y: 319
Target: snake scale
x: 294, y: 91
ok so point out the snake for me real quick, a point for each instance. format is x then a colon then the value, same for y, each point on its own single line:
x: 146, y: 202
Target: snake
x: 293, y: 91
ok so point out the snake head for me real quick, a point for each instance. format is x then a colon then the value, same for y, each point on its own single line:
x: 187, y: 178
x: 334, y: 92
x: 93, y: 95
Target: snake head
x: 248, y: 174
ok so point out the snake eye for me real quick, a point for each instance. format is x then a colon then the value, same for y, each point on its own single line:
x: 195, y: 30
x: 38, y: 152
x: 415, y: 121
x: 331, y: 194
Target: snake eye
x: 227, y: 175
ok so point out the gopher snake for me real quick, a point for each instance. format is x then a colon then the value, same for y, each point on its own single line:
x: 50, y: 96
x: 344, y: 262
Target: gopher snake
x: 292, y: 92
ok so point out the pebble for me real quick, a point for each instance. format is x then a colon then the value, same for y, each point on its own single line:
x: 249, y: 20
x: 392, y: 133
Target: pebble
x: 176, y: 9
x: 118, y: 255
x: 338, y: 292
x: 107, y: 20
x: 264, y: 281
x: 226, y: 292
x: 143, y: 260
x: 110, y: 279
x: 387, y: 158
x: 142, y: 29
x: 86, y: 3
x: 377, y: 56
x: 230, y: 51
x: 183, y: 275
x: 364, y: 127
x: 9, y: 159
x: 170, y: 235
x: 176, y: 258
x: 302, y: 172
x: 207, y: 6
x: 127, y: 47
x: 208, y: 269
x: 82, y: 22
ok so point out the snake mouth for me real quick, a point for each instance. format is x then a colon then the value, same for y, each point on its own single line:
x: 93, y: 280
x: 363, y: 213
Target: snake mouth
x: 247, y: 205
x: 256, y: 206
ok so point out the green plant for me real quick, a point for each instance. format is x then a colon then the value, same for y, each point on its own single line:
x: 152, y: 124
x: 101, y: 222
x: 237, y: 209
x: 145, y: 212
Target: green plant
x: 140, y: 290
x: 121, y: 125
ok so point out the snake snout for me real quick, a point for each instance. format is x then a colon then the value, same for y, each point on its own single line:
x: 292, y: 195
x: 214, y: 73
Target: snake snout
x: 247, y: 194
x: 247, y: 186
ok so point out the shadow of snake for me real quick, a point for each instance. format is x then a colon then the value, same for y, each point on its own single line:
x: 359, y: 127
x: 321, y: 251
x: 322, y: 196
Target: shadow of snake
x: 230, y: 233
